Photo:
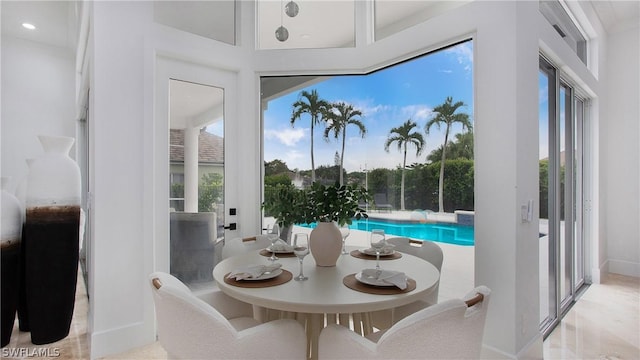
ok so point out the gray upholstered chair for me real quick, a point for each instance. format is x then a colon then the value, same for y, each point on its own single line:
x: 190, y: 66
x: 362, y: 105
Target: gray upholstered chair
x: 449, y: 330
x: 190, y: 328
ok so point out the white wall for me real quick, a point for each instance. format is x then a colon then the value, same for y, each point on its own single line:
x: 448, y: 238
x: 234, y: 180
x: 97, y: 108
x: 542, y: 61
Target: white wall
x: 38, y: 88
x: 620, y: 131
x: 121, y: 312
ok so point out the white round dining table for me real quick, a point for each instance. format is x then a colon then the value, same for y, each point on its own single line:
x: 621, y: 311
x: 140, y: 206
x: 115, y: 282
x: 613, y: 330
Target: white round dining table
x: 324, y: 291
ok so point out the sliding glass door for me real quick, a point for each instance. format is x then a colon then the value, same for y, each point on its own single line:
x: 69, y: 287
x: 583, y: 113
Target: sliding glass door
x: 560, y: 156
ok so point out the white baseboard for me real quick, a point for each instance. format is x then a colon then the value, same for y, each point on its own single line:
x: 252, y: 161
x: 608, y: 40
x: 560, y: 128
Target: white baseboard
x: 115, y: 341
x: 533, y: 350
x: 623, y: 267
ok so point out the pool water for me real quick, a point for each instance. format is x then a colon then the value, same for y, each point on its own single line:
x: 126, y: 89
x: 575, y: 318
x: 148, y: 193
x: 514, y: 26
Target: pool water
x: 441, y: 232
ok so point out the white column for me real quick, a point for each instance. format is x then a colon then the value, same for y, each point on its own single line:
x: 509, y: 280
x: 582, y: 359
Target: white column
x: 506, y: 248
x: 191, y: 169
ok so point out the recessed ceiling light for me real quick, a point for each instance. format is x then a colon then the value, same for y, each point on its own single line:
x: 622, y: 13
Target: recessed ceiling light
x: 28, y: 26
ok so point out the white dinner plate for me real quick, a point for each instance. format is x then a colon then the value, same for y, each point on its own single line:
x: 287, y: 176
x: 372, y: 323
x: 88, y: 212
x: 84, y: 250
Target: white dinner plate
x: 372, y: 252
x: 270, y: 275
x: 371, y: 280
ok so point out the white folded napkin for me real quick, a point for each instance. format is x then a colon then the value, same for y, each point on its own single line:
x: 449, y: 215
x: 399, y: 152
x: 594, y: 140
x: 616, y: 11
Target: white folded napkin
x: 397, y: 278
x: 280, y: 245
x: 253, y: 271
x: 386, y: 250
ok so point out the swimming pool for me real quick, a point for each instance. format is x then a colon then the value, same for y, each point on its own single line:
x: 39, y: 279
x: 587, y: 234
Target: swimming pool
x: 441, y: 232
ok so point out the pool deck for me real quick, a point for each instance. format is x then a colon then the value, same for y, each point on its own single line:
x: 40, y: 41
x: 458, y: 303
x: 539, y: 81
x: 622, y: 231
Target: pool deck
x: 457, y: 273
x: 412, y: 216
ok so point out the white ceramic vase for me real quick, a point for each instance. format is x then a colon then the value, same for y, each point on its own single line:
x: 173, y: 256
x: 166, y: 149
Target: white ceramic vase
x: 51, y: 240
x: 11, y: 235
x: 325, y: 243
x: 11, y: 231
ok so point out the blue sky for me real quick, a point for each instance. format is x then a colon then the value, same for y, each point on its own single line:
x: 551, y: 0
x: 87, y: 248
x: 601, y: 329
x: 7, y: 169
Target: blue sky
x: 387, y: 98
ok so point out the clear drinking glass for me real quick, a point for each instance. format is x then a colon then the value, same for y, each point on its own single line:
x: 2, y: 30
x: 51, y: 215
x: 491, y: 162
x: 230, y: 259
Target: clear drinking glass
x: 377, y: 243
x: 273, y: 234
x: 344, y: 230
x: 301, y: 249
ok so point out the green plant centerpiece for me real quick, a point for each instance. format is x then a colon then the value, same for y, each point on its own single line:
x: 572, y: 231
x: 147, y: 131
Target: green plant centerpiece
x: 328, y: 205
x: 334, y: 203
x: 287, y: 205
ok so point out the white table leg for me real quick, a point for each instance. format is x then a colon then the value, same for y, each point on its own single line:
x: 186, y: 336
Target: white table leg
x: 344, y: 320
x: 315, y: 325
x: 260, y: 314
x: 357, y: 323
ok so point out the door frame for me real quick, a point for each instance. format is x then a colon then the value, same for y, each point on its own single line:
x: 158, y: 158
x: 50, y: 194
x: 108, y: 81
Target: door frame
x: 167, y: 68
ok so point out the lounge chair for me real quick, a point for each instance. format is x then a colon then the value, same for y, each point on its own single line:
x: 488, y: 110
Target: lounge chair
x: 381, y: 203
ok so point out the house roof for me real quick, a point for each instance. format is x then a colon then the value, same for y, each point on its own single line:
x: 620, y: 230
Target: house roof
x: 210, y: 147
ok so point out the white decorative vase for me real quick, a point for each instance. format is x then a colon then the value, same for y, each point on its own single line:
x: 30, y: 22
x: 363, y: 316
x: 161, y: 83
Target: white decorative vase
x: 51, y: 246
x: 21, y: 189
x: 11, y: 230
x: 325, y: 243
x: 11, y: 234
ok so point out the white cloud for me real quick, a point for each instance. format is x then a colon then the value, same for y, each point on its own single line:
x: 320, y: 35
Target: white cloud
x: 417, y: 113
x: 367, y: 107
x: 464, y: 54
x: 446, y: 71
x: 288, y: 137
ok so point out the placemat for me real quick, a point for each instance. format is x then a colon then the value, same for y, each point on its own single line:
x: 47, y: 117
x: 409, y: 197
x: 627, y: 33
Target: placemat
x: 360, y: 255
x: 351, y: 282
x: 267, y: 253
x: 278, y: 280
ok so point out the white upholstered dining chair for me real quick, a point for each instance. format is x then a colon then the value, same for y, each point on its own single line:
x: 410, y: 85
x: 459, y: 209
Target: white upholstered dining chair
x: 428, y: 251
x: 237, y: 246
x: 452, y: 329
x: 190, y: 328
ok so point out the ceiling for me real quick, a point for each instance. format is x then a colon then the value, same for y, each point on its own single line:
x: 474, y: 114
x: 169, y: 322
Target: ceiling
x: 55, y: 21
x: 326, y: 23
x: 615, y: 14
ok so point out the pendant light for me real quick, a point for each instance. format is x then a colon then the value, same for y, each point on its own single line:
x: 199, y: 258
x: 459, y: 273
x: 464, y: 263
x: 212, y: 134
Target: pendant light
x: 291, y: 9
x: 282, y: 34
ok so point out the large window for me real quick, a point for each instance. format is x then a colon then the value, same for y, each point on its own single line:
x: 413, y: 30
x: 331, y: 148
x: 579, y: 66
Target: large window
x: 400, y: 119
x: 211, y: 19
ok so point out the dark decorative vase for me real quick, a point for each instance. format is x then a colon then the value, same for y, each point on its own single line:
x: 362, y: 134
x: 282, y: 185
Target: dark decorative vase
x: 52, y: 233
x: 11, y: 234
x: 21, y: 194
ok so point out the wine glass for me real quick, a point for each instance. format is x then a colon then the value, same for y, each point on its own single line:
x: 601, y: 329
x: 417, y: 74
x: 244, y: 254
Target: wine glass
x: 273, y: 234
x: 344, y: 230
x: 301, y: 249
x: 377, y: 243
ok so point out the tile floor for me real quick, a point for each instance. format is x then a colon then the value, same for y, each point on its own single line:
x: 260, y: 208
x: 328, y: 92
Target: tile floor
x: 603, y: 324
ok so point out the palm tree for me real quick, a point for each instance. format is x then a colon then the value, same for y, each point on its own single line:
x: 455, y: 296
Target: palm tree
x: 338, y: 117
x: 404, y: 136
x: 460, y: 148
x: 445, y: 114
x: 315, y: 107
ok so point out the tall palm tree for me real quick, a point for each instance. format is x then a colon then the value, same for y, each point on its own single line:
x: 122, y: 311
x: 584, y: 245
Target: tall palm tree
x: 315, y: 107
x: 446, y: 114
x: 460, y: 148
x: 404, y: 136
x: 339, y: 116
